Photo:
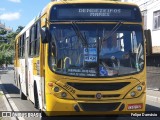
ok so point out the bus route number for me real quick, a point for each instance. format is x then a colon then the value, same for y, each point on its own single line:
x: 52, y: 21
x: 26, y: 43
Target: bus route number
x: 69, y: 88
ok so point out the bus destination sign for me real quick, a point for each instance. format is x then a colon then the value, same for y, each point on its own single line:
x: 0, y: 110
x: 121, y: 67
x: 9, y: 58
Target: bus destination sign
x: 100, y: 12
x: 88, y: 13
x: 95, y: 12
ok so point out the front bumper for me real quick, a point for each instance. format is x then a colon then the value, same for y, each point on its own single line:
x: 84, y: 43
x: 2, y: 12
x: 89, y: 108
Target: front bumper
x: 59, y: 107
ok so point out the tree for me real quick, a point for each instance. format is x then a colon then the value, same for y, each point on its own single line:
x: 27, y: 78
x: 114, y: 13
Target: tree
x: 2, y: 61
x: 3, y: 32
x: 19, y: 29
x: 7, y: 46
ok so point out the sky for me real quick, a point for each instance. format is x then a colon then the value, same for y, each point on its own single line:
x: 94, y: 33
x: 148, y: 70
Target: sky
x: 16, y: 13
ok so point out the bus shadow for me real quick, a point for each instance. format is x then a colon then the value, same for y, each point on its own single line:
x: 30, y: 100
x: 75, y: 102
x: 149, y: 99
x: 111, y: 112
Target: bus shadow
x: 151, y: 108
x: 9, y: 89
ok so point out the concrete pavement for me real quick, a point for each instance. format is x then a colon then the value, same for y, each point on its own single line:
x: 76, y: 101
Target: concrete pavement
x: 153, y: 95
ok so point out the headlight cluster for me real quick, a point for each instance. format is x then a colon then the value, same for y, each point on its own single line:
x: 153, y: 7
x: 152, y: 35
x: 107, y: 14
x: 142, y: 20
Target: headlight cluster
x: 136, y: 91
x: 139, y: 88
x: 59, y: 92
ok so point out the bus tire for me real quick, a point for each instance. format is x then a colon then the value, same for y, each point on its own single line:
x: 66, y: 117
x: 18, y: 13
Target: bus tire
x: 43, y: 114
x: 22, y: 95
x: 36, y: 101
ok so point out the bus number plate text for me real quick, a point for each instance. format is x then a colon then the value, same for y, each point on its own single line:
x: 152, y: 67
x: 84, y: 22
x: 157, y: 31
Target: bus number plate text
x: 69, y: 88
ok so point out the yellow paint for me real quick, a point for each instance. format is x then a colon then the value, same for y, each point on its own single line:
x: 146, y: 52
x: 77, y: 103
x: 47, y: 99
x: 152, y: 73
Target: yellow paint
x: 36, y: 68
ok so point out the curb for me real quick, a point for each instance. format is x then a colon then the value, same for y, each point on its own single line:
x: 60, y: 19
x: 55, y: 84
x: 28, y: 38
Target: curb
x: 5, y: 101
x: 4, y: 98
x: 154, y: 89
x: 153, y: 98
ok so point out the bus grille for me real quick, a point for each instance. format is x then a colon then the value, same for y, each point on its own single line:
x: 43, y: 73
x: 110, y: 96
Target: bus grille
x: 93, y: 96
x: 98, y: 86
x: 99, y: 106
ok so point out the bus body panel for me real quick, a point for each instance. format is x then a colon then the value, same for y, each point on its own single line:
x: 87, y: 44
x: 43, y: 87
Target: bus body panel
x: 30, y: 79
x: 22, y: 70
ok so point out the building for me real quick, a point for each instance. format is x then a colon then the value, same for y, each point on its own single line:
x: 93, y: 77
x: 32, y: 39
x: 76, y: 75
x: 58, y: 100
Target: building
x: 151, y: 15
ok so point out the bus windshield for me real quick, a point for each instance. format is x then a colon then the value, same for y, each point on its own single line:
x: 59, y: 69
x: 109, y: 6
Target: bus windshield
x: 96, y: 50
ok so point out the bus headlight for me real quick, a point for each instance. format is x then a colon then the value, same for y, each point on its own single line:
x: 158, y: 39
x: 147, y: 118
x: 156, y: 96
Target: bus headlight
x: 139, y: 88
x: 136, y: 91
x: 59, y: 92
x: 133, y: 94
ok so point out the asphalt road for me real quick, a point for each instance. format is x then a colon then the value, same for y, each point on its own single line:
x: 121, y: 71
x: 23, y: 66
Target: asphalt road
x: 153, y: 77
x: 25, y: 105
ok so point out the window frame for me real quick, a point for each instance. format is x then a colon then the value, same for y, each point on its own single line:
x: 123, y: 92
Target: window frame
x: 34, y: 40
x: 156, y: 20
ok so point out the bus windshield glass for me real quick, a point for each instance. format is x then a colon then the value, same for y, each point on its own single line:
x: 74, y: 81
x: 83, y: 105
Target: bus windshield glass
x: 96, y: 50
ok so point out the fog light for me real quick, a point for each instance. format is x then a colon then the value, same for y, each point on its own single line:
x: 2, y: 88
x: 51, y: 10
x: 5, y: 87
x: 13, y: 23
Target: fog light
x: 139, y: 88
x: 63, y: 94
x: 133, y: 94
x: 56, y: 89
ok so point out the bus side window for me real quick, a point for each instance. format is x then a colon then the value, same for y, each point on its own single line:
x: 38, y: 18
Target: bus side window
x: 19, y: 47
x: 36, y: 39
x: 37, y: 48
x: 23, y: 44
x: 30, y: 34
x: 31, y: 42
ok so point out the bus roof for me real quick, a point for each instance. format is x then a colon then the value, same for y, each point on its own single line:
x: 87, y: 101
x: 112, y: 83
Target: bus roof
x: 49, y: 5
x: 89, y: 1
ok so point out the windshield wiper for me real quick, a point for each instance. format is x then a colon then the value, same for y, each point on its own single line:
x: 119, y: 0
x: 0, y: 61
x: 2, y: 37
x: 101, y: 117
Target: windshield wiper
x: 111, y: 32
x: 79, y: 34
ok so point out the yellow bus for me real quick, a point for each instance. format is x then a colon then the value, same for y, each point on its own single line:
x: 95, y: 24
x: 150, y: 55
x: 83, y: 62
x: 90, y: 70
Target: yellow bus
x: 82, y: 57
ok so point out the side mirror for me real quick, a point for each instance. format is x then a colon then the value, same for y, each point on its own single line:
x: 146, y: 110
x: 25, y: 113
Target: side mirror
x: 148, y: 37
x: 44, y: 34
